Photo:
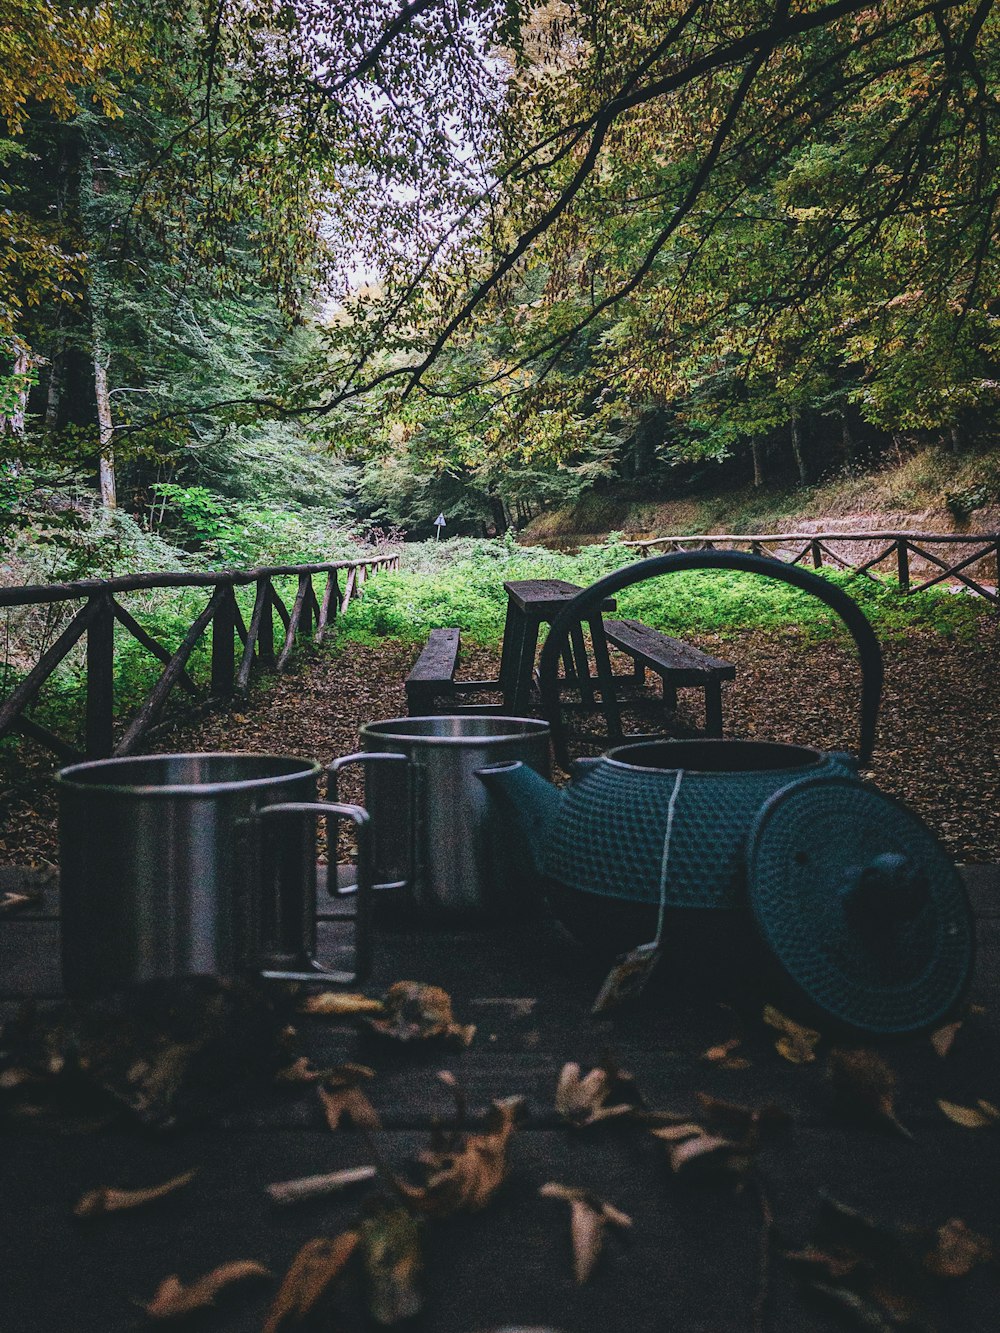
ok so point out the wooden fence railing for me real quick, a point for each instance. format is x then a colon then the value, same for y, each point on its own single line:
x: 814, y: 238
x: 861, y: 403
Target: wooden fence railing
x: 101, y: 609
x: 896, y: 548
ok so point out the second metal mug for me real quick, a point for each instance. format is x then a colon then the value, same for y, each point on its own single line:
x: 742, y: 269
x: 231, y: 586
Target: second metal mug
x: 433, y: 827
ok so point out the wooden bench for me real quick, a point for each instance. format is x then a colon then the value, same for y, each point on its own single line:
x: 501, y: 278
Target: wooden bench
x: 433, y: 673
x: 676, y: 663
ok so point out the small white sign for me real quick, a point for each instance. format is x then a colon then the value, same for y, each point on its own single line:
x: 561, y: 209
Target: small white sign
x: 439, y: 521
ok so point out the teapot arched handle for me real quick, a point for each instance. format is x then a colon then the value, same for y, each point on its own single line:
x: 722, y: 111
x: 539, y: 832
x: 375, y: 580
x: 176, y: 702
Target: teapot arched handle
x: 586, y: 603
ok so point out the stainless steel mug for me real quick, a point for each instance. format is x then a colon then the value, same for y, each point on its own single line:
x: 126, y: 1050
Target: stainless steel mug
x: 434, y: 832
x: 187, y: 864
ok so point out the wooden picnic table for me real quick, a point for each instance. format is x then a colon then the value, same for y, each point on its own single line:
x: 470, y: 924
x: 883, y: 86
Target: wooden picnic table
x: 532, y: 603
x: 697, y: 1258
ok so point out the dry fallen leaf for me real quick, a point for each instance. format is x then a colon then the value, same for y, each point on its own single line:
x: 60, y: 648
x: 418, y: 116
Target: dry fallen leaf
x: 981, y: 1116
x: 301, y: 1070
x: 958, y: 1250
x: 864, y: 1088
x: 341, y: 1095
x: 11, y: 902
x: 716, y: 1053
x: 463, y: 1171
x: 285, y: 1192
x: 816, y: 1261
x: 588, y: 1218
x: 339, y: 1004
x: 674, y: 1133
x: 173, y: 1299
x: 943, y: 1037
x: 394, y: 1265
x: 107, y: 1199
x: 310, y: 1274
x: 603, y: 1094
x: 797, y: 1043
x: 709, y: 1153
x: 414, y: 1011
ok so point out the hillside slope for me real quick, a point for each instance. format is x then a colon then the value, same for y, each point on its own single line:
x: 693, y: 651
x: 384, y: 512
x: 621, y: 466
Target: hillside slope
x: 932, y: 491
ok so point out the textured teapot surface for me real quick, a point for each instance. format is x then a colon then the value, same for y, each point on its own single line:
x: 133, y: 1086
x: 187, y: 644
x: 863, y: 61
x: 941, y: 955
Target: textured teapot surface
x: 608, y: 836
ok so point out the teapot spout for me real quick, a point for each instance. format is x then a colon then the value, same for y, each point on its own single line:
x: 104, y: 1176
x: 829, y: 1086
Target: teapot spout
x: 529, y: 804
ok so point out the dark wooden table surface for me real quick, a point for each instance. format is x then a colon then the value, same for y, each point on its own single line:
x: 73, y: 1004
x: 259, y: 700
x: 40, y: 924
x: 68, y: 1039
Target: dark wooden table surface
x: 693, y: 1259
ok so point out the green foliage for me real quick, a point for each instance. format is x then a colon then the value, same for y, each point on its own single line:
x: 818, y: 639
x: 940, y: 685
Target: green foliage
x: 461, y: 583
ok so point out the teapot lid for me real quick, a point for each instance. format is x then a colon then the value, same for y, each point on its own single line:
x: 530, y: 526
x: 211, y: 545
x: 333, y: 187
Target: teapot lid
x: 860, y: 906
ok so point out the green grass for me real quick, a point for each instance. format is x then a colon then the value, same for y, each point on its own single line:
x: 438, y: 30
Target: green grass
x: 461, y: 583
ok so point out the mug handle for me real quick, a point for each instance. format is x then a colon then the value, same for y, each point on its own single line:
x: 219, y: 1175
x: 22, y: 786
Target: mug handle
x: 310, y: 969
x: 363, y: 758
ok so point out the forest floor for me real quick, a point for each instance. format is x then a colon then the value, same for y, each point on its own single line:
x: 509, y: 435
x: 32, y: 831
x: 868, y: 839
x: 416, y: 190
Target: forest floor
x: 938, y: 737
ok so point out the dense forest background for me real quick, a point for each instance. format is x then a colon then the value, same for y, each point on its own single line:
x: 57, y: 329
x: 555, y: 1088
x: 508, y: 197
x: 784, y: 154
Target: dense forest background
x: 277, y: 277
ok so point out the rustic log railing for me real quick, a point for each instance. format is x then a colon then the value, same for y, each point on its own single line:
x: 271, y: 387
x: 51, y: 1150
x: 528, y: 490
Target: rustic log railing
x: 895, y: 547
x: 101, y: 610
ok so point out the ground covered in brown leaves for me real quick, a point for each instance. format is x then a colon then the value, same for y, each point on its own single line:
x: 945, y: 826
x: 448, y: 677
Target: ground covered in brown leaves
x: 938, y: 738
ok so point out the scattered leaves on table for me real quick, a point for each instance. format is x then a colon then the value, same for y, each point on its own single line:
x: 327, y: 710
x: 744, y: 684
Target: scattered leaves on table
x: 588, y: 1217
x: 339, y: 1004
x: 310, y: 1275
x: 796, y: 1043
x: 414, y: 1011
x: 166, y: 1051
x: 342, y: 1095
x: 957, y: 1250
x: 605, y: 1093
x: 864, y: 1088
x: 984, y: 1115
x: 393, y: 1264
x: 869, y: 1269
x: 943, y: 1038
x: 284, y: 1192
x: 107, y: 1199
x: 723, y: 1142
x: 462, y: 1171
x: 173, y: 1299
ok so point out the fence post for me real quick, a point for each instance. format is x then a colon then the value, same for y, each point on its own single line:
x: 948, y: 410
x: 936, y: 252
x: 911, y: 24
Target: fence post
x: 265, y: 639
x: 223, y: 645
x: 903, y: 563
x: 100, y: 714
x: 817, y: 554
x: 306, y: 623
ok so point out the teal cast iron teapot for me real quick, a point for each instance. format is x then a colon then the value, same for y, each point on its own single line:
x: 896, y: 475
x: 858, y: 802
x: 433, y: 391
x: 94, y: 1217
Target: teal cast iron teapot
x: 848, y: 889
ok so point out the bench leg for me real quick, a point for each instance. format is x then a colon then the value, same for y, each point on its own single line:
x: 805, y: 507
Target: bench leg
x: 713, y: 708
x: 605, y: 677
x: 669, y: 695
x: 579, y: 654
x: 520, y: 691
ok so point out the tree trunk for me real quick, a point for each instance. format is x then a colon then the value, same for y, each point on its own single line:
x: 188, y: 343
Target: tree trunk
x: 109, y: 498
x: 499, y: 514
x: 90, y: 188
x: 846, y: 439
x: 758, y: 462
x: 797, y: 446
x: 53, y: 399
x: 12, y: 424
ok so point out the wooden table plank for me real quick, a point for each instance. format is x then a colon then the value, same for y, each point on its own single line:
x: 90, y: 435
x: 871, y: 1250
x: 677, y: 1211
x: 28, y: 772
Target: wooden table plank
x: 692, y: 1259
x: 689, y: 1263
